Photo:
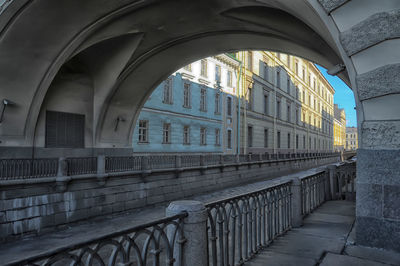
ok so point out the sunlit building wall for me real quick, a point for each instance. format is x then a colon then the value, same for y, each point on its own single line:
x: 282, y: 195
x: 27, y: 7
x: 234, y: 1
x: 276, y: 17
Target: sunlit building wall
x: 287, y: 107
x: 351, y: 138
x: 339, y: 128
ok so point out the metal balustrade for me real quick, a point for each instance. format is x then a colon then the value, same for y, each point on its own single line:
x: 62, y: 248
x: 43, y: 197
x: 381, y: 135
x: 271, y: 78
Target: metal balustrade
x: 162, y: 161
x: 190, y: 160
x: 156, y: 243
x: 27, y: 168
x: 313, y: 192
x: 229, y: 158
x: 81, y: 166
x: 212, y: 159
x: 240, y: 226
x: 122, y: 164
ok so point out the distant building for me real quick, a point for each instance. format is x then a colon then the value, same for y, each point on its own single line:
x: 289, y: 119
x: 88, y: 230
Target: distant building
x: 351, y: 138
x: 286, y: 106
x: 194, y: 110
x: 339, y: 128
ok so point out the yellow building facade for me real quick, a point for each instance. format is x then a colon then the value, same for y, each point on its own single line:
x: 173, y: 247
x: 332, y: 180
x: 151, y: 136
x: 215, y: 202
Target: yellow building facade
x: 339, y: 128
x: 287, y: 104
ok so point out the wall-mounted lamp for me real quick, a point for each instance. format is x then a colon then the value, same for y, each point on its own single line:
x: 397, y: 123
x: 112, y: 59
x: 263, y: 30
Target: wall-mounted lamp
x: 5, y: 104
x: 336, y: 69
x: 119, y: 119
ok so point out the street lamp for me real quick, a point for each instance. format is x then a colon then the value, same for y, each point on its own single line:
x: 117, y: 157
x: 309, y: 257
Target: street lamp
x: 5, y: 104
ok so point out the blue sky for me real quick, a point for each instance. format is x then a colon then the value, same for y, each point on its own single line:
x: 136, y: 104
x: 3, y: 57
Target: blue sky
x: 343, y: 97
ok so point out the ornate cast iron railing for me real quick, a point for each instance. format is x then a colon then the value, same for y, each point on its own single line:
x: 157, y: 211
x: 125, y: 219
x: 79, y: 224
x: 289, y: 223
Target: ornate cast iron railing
x: 81, y: 166
x: 157, y: 243
x: 239, y: 227
x: 122, y: 164
x: 162, y: 161
x: 313, y: 191
x: 346, y: 176
x: 190, y: 160
x: 27, y: 168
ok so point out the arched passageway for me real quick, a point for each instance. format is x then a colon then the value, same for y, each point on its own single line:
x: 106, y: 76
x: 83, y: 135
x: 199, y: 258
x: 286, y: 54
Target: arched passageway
x: 104, y: 59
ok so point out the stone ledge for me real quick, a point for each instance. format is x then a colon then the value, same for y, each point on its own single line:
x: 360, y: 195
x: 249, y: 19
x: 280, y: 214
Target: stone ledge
x: 376, y: 28
x: 330, y: 5
x: 379, y: 82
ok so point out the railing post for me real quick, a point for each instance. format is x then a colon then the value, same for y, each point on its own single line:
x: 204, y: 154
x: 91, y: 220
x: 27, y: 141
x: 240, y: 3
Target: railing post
x: 332, y: 181
x: 101, y: 170
x: 62, y: 179
x: 178, y: 165
x: 145, y: 166
x: 194, y: 231
x: 297, y: 217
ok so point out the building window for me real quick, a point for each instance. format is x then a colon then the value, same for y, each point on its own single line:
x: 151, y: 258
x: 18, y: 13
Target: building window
x: 304, y: 73
x: 304, y: 142
x: 167, y: 97
x: 296, y: 68
x: 203, y: 99
x: 143, y: 131
x: 278, y: 108
x: 278, y: 78
x: 288, y: 140
x: 250, y: 99
x: 229, y: 106
x: 278, y: 139
x: 203, y: 136
x: 217, y: 73
x: 288, y: 85
x: 297, y: 93
x: 265, y: 138
x: 288, y: 113
x: 250, y: 136
x: 309, y: 143
x: 217, y: 103
x: 186, y: 135
x: 186, y: 95
x: 288, y: 60
x: 188, y: 67
x: 266, y: 71
x: 304, y: 97
x: 297, y: 116
x: 217, y: 137
x: 65, y: 130
x: 314, y: 84
x: 266, y: 104
x: 229, y: 79
x: 297, y: 142
x: 250, y: 61
x: 167, y: 133
x: 203, y: 71
x: 229, y: 139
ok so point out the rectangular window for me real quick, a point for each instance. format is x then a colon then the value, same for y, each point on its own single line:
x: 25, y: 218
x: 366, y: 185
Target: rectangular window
x: 288, y: 113
x: 229, y: 79
x: 297, y: 142
x: 229, y: 139
x: 65, y: 130
x: 217, y: 103
x: 217, y: 73
x: 278, y: 139
x: 297, y: 116
x: 304, y: 73
x: 278, y: 108
x: 186, y: 95
x: 250, y: 99
x: 288, y: 140
x: 203, y: 136
x: 265, y: 138
x: 143, y: 131
x: 229, y: 106
x: 288, y: 60
x: 278, y: 78
x: 288, y: 85
x: 167, y: 97
x: 304, y: 142
x: 309, y: 143
x: 250, y: 61
x: 167, y: 133
x: 186, y: 135
x: 203, y: 99
x: 203, y: 70
x: 266, y: 71
x: 265, y: 104
x: 296, y: 68
x: 250, y: 136
x: 217, y: 137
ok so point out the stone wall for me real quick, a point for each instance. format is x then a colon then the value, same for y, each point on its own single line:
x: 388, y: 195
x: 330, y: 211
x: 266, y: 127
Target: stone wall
x: 34, y: 206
